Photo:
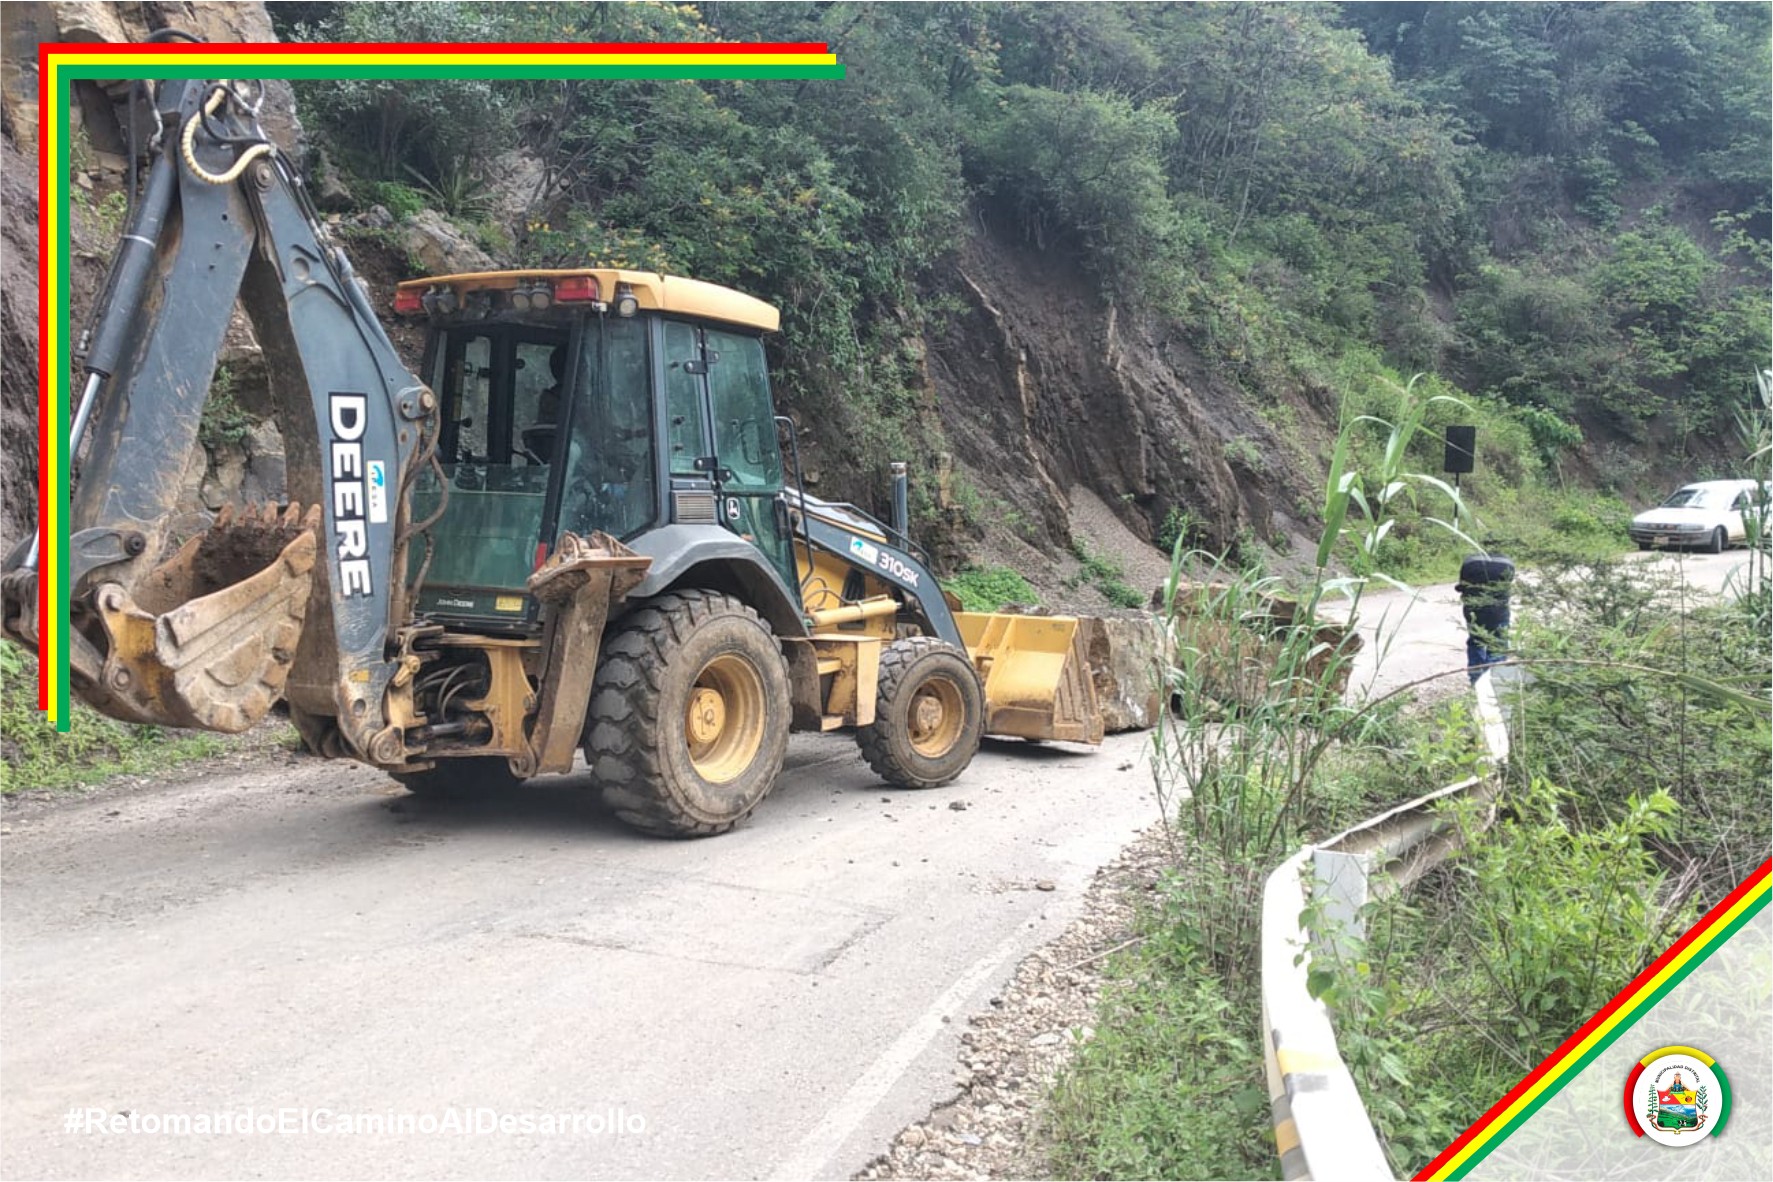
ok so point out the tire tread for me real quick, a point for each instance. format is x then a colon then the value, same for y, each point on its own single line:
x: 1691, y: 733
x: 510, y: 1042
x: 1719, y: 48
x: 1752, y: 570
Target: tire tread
x: 621, y: 742
x: 878, y: 742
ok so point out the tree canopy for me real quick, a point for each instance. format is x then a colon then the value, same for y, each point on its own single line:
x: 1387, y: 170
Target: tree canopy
x: 1562, y: 205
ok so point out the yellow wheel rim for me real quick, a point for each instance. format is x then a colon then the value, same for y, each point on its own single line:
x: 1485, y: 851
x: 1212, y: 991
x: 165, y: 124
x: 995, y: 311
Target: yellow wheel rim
x: 723, y: 719
x: 935, y: 717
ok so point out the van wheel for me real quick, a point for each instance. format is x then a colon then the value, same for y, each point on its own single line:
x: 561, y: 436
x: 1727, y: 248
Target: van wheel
x: 1719, y: 541
x: 689, y: 717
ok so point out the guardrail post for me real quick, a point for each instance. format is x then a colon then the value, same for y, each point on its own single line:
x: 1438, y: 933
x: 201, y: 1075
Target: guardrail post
x: 1339, y: 887
x: 1321, y: 1126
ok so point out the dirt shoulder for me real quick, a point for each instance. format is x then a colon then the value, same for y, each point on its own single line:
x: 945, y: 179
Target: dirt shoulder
x: 1011, y: 1053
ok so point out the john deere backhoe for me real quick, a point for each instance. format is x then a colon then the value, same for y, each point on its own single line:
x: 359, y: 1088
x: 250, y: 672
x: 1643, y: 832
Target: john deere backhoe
x: 573, y: 529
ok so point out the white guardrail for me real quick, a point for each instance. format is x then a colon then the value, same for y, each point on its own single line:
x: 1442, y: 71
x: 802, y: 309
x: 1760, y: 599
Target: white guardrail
x: 1321, y: 1127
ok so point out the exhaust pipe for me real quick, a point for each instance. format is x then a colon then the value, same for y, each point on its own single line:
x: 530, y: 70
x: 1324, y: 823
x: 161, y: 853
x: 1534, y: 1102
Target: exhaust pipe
x: 901, y: 500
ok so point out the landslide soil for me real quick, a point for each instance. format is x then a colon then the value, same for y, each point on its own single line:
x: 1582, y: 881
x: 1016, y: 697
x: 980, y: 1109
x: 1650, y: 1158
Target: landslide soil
x: 1045, y: 385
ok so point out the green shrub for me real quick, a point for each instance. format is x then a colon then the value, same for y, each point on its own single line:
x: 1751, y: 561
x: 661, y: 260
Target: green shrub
x: 987, y: 589
x: 1179, y: 528
x: 224, y: 422
x: 384, y: 126
x: 1461, y: 987
x: 1106, y: 576
x: 1083, y: 166
x: 94, y: 747
x: 401, y: 200
x: 1590, y: 870
x: 1552, y: 435
x: 1244, y: 450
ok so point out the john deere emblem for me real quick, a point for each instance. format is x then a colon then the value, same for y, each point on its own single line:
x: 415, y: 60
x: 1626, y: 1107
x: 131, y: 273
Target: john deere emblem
x: 1677, y: 1096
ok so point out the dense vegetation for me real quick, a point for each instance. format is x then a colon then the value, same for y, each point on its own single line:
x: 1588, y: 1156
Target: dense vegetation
x: 1634, y: 797
x: 1562, y: 209
x: 1610, y: 844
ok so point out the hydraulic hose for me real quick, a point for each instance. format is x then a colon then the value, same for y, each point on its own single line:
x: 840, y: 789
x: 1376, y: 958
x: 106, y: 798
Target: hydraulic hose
x: 187, y: 144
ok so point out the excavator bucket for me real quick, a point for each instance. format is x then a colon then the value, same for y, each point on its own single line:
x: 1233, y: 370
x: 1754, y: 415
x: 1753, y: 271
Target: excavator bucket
x: 207, y: 639
x: 1036, y: 670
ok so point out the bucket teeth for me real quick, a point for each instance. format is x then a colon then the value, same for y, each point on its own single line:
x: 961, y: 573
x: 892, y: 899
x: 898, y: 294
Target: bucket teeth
x: 208, y: 637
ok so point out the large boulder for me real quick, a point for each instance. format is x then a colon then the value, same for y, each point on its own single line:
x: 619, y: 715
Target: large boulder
x: 1235, y: 645
x: 1128, y: 664
x: 439, y: 248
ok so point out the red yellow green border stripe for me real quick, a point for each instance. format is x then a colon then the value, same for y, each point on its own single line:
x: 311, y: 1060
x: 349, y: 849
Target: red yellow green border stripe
x: 1600, y: 1031
x: 58, y: 64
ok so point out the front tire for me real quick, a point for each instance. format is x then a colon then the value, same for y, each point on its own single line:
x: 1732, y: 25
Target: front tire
x: 1719, y: 541
x: 689, y: 717
x: 928, y: 717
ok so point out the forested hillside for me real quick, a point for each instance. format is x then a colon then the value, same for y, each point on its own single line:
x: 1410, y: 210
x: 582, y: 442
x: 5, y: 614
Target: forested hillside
x: 1158, y: 252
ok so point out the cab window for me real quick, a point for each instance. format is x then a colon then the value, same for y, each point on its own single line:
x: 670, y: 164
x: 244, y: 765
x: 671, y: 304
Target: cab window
x: 495, y: 448
x: 466, y: 382
x: 609, y: 463
x: 536, y: 383
x: 744, y: 418
x: 683, y: 399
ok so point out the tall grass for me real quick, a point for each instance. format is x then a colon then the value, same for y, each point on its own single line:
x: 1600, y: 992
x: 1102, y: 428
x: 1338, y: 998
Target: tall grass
x: 1254, y: 760
x: 1601, y: 851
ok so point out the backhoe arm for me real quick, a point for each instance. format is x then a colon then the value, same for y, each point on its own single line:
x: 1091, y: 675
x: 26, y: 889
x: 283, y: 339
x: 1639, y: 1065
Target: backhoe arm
x: 293, y: 601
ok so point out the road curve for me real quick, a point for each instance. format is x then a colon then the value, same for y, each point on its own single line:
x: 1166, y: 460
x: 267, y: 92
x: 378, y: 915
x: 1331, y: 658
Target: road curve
x: 306, y: 940
x: 1413, y: 637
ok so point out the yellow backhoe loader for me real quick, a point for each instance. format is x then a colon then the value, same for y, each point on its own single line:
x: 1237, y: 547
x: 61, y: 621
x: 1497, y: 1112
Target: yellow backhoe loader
x: 574, y: 529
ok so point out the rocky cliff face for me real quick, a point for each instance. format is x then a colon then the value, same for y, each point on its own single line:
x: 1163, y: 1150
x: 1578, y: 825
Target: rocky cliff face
x: 250, y: 464
x: 1044, y: 385
x: 1041, y: 386
x: 18, y: 344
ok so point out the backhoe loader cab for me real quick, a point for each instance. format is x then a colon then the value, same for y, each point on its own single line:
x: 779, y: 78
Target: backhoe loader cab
x: 607, y: 401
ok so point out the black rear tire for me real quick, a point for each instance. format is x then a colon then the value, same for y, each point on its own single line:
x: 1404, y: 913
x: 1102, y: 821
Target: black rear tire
x: 689, y: 717
x: 929, y: 714
x: 466, y: 778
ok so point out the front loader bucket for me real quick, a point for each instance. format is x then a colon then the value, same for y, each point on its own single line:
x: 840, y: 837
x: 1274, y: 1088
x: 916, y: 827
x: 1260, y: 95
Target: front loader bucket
x: 207, y: 639
x: 1037, y: 677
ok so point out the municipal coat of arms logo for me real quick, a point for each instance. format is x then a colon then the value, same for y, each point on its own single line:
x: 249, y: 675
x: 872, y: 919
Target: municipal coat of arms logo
x: 1677, y: 1096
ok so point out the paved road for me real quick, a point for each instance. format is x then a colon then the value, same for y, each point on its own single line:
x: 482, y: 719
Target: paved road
x: 774, y: 1002
x: 1410, y: 638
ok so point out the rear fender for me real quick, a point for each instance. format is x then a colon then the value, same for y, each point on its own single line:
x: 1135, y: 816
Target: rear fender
x: 709, y: 557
